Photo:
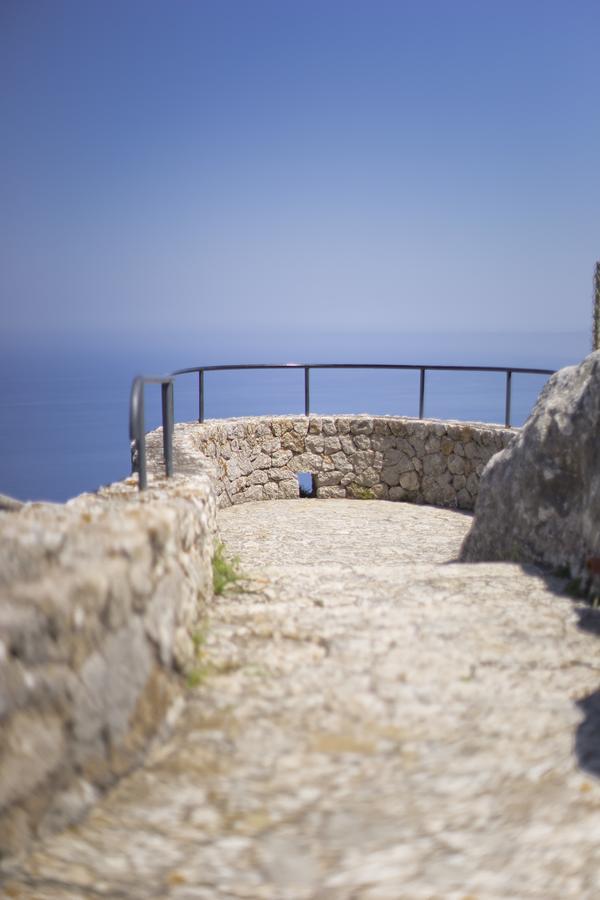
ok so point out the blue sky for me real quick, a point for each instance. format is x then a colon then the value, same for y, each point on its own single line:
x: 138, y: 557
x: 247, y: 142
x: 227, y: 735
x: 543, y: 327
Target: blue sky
x: 258, y: 166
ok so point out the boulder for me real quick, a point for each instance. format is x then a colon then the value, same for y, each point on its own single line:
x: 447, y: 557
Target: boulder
x: 539, y: 499
x: 9, y: 504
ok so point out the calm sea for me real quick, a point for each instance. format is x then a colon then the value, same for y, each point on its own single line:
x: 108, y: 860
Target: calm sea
x: 64, y: 408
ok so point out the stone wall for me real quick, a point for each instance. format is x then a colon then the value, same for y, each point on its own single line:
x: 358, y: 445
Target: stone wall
x: 98, y: 601
x: 99, y: 598
x: 388, y: 458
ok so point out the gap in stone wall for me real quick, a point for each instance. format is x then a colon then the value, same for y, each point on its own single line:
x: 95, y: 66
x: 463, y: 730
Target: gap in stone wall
x: 307, y: 484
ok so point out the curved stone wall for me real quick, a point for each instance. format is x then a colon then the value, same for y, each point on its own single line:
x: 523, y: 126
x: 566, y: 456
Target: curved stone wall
x: 98, y: 601
x: 99, y: 597
x: 387, y: 458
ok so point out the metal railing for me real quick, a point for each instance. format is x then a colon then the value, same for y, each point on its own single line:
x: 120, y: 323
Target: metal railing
x: 136, y: 419
x: 137, y: 430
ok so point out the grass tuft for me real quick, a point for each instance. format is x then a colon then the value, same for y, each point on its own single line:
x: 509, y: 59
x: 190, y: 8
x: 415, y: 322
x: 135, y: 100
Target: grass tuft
x: 225, y: 572
x: 359, y: 492
x: 201, y: 667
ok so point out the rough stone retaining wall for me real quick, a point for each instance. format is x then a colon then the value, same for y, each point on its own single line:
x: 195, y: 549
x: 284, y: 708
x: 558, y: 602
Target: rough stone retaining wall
x: 98, y: 601
x: 420, y: 461
x: 99, y: 597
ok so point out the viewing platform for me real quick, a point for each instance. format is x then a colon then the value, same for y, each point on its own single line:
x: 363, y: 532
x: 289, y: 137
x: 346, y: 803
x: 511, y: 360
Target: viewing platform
x: 365, y: 717
x: 367, y: 720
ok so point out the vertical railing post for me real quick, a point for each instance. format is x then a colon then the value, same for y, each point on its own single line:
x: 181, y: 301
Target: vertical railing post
x: 508, y: 397
x: 422, y: 394
x: 141, y: 444
x: 201, y: 395
x: 306, y: 390
x: 167, y: 422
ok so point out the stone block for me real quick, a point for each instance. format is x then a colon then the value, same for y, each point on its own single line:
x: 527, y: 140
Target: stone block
x: 433, y: 444
x: 417, y: 442
x: 447, y: 446
x: 258, y: 477
x: 341, y: 462
x: 434, y: 464
x: 254, y: 492
x: 315, y: 443
x: 342, y: 426
x: 33, y: 746
x: 347, y: 445
x: 262, y: 461
x: 381, y: 427
x: 293, y: 441
x: 390, y: 475
x: 456, y: 465
x: 284, y: 473
x: 361, y: 426
x: 331, y: 444
x: 281, y: 458
x: 362, y: 459
x: 271, y: 490
x: 301, y: 426
x: 368, y: 477
x: 398, y: 427
x: 409, y: 481
x: 362, y: 442
x: 381, y: 491
x: 289, y: 490
x: 473, y: 484
x: 309, y: 462
x: 332, y: 491
x: 464, y: 499
x: 327, y: 479
x: 399, y: 459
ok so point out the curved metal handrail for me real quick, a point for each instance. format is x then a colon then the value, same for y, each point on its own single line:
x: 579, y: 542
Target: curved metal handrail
x: 136, y: 417
x: 137, y: 431
x: 509, y: 371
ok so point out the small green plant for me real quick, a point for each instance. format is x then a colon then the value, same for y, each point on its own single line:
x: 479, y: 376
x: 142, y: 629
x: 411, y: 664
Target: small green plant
x: 199, y: 637
x: 197, y: 674
x: 200, y: 668
x: 225, y: 571
x: 362, y: 493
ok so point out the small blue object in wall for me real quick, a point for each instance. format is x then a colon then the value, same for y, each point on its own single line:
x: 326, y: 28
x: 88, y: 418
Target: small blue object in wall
x: 306, y: 484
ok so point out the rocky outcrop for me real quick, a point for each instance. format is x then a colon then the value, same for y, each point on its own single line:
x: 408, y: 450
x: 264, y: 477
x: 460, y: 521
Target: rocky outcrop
x: 9, y: 504
x: 539, y: 499
x: 363, y: 457
x: 98, y: 602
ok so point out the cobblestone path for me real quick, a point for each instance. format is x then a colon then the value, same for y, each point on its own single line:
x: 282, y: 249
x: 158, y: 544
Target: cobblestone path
x: 369, y: 722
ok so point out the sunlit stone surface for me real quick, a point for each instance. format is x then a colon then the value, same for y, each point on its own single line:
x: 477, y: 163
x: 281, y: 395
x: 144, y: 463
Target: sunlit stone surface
x: 370, y: 722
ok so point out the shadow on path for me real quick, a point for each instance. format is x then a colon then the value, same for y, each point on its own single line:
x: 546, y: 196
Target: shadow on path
x: 587, y: 736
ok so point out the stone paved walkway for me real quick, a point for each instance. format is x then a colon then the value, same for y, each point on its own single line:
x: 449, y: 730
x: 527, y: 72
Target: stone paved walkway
x: 371, y: 723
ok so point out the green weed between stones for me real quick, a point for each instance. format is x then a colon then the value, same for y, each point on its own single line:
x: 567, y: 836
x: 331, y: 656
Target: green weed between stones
x: 225, y: 571
x: 225, y: 574
x: 361, y: 493
x: 201, y: 668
